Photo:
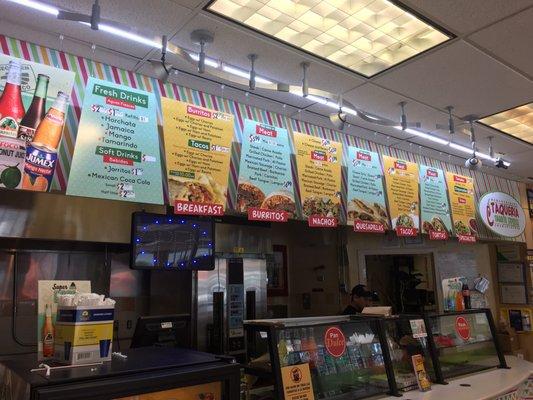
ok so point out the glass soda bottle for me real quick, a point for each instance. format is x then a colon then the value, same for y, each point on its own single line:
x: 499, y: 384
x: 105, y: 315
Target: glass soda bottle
x: 37, y: 110
x: 11, y: 107
x: 49, y: 131
x: 48, y: 333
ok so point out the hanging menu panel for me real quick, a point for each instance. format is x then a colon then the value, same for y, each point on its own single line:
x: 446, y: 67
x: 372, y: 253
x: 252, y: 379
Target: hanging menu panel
x: 401, y: 181
x: 117, y: 148
x: 461, y: 192
x: 319, y: 164
x: 434, y: 206
x: 367, y: 210
x: 198, y: 150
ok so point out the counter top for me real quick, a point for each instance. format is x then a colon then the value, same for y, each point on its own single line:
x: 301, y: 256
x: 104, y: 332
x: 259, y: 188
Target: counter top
x: 483, y: 386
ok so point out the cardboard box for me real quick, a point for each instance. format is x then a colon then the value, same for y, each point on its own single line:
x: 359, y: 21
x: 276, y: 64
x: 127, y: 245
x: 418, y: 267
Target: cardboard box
x: 84, y: 335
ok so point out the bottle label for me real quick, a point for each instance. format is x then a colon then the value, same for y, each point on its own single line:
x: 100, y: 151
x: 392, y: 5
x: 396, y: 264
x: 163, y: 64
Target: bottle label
x: 26, y: 133
x: 54, y: 119
x: 9, y: 127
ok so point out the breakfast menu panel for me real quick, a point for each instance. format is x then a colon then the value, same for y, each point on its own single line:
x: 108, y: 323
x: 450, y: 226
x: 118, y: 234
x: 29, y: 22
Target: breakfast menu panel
x: 461, y: 192
x: 117, y: 148
x: 367, y: 210
x: 319, y: 163
x: 265, y: 190
x: 434, y: 206
x: 198, y: 151
x: 401, y: 181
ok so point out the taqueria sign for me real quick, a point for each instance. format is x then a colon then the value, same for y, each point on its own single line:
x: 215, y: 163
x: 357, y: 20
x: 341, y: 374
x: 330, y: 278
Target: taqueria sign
x: 502, y: 214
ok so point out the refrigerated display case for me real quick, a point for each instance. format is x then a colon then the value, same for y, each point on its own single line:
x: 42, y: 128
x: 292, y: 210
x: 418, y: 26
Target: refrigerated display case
x: 465, y: 342
x: 147, y: 373
x: 345, y: 357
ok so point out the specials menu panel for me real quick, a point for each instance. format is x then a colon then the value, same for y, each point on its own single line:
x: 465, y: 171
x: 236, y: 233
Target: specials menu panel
x: 198, y: 151
x: 434, y: 206
x: 461, y: 192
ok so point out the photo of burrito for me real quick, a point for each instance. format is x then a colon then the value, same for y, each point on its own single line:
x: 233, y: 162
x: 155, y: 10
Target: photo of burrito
x: 318, y: 205
x: 363, y: 211
x: 280, y: 201
x: 405, y: 221
x: 204, y: 189
x: 461, y: 228
x: 436, y: 225
x: 248, y: 196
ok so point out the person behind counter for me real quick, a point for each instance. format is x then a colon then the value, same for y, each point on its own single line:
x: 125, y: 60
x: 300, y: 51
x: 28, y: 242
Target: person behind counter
x: 359, y: 299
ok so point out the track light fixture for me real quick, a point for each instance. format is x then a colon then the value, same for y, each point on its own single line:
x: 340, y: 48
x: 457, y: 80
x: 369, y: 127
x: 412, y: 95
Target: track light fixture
x: 338, y: 119
x: 252, y: 58
x: 451, y: 123
x: 201, y: 37
x: 305, y: 82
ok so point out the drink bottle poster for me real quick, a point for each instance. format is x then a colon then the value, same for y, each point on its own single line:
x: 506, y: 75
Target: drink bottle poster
x: 319, y: 163
x: 265, y: 178
x: 434, y: 206
x: 198, y: 153
x: 18, y: 124
x: 206, y: 391
x: 47, y: 292
x: 367, y: 209
x: 117, y: 153
x: 401, y: 181
x: 462, y: 203
x: 297, y: 383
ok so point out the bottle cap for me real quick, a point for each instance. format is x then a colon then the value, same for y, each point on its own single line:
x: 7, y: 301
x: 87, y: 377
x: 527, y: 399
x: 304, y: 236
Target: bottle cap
x: 61, y: 102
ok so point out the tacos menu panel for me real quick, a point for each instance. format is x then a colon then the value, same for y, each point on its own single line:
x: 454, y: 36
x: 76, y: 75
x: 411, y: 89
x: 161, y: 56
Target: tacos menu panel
x: 265, y: 178
x: 319, y: 163
x: 434, y: 206
x: 117, y: 152
x: 401, y: 181
x: 461, y: 192
x: 198, y: 151
x: 367, y: 210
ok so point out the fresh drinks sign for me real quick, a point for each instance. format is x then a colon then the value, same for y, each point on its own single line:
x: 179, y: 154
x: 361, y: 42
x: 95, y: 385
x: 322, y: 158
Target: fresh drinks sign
x: 117, y: 148
x: 502, y: 214
x: 367, y: 211
x: 434, y: 206
x: 198, y: 151
x: 265, y: 190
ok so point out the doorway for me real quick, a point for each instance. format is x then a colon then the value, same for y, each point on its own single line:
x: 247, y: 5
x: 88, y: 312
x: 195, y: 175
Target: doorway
x: 404, y: 281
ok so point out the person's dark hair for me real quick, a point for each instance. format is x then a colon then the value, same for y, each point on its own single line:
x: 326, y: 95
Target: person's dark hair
x: 360, y: 291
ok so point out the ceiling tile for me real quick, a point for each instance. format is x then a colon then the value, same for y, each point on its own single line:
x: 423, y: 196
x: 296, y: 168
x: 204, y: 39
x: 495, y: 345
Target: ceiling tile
x: 464, y: 16
x: 510, y: 40
x: 462, y: 76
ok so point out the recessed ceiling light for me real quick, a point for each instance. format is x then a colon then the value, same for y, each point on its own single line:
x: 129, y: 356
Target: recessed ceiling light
x: 366, y: 36
x: 517, y: 122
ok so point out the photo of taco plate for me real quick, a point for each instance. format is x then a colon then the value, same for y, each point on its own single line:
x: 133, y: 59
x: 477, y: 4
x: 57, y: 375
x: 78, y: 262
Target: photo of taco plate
x: 461, y: 228
x: 318, y: 205
x: 363, y: 211
x: 405, y: 221
x: 201, y: 190
x: 280, y: 201
x: 249, y: 195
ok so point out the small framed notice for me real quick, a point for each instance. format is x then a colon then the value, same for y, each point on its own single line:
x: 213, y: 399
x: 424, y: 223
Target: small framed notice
x: 510, y: 273
x: 513, y: 294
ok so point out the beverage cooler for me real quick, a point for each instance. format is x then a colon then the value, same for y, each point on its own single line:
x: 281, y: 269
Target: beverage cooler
x: 355, y: 357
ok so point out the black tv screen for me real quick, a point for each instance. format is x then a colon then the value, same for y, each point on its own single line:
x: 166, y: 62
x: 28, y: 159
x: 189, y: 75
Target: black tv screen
x: 172, y: 242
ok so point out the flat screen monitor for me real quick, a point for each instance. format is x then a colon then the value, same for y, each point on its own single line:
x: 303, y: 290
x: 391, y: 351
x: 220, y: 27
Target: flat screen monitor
x: 172, y: 242
x: 162, y: 331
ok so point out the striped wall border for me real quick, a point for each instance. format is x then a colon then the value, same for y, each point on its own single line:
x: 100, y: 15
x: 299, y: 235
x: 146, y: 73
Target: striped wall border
x: 85, y: 68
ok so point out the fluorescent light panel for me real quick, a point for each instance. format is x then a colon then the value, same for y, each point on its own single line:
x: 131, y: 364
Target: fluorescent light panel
x: 36, y: 5
x: 517, y: 122
x: 366, y: 36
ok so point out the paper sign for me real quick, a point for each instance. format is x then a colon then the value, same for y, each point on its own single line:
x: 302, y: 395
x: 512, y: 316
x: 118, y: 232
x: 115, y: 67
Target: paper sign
x: 47, y: 292
x: 367, y: 210
x: 422, y: 378
x: 462, y: 328
x: 206, y: 391
x: 461, y: 192
x: 335, y: 341
x: 401, y: 180
x: 418, y: 328
x: 117, y: 148
x: 319, y: 163
x: 198, y: 151
x: 265, y: 178
x: 434, y: 206
x: 297, y: 383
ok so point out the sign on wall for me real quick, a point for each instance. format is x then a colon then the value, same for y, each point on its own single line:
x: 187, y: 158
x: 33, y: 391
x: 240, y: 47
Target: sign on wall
x: 502, y: 214
x: 117, y: 153
x: 462, y: 203
x: 434, y: 206
x: 198, y: 151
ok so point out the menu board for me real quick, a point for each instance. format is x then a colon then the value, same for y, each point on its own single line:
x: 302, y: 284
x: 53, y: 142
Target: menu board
x: 265, y: 189
x: 401, y: 181
x: 318, y: 162
x: 198, y: 151
x: 434, y: 206
x: 367, y: 210
x: 461, y: 192
x: 117, y: 148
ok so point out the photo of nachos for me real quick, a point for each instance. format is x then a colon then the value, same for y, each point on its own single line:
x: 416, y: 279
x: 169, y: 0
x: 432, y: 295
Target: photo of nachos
x: 204, y: 189
x: 280, y: 201
x: 319, y: 205
x: 363, y: 211
x: 461, y: 228
x: 248, y: 195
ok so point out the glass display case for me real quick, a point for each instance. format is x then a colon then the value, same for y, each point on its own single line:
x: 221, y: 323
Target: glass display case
x: 465, y: 342
x: 342, y: 358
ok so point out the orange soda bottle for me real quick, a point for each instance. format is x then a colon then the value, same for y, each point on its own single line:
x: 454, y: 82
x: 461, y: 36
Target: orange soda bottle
x: 50, y: 130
